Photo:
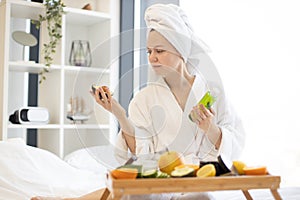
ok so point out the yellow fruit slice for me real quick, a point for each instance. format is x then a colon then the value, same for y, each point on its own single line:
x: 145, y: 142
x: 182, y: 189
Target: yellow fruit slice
x: 207, y: 171
x: 239, y: 166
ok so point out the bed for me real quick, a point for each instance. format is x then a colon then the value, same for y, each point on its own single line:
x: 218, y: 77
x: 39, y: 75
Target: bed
x: 27, y: 171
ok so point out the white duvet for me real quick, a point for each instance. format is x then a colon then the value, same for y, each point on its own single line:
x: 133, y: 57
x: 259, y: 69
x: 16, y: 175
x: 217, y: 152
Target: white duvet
x: 27, y: 171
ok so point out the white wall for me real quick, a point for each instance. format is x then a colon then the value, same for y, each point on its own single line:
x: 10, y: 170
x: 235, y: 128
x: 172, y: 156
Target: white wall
x: 256, y: 48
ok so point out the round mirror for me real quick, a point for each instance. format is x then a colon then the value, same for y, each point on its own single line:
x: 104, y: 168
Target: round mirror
x: 24, y: 38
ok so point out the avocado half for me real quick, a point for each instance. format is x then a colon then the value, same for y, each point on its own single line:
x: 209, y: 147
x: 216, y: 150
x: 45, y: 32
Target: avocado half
x: 183, y: 172
x: 152, y: 173
x: 220, y: 166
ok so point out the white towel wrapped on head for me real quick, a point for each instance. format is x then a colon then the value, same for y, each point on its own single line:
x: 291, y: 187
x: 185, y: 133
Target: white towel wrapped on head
x: 171, y: 21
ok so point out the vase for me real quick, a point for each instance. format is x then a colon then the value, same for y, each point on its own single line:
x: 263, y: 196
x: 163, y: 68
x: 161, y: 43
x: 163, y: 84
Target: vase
x: 80, y: 54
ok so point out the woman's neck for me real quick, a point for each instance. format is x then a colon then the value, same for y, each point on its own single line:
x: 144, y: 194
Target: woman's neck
x: 179, y: 80
x: 180, y: 85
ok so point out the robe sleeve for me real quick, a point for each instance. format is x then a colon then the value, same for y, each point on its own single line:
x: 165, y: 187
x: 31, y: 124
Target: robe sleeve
x: 140, y: 117
x: 233, y: 134
x: 121, y: 150
x: 141, y: 120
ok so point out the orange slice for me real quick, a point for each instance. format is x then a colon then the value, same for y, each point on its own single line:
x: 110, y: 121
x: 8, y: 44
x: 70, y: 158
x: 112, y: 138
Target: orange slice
x: 260, y: 170
x: 124, y: 173
x: 207, y: 171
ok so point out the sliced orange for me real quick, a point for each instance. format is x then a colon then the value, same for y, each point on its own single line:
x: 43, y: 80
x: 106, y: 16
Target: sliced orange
x: 260, y: 170
x: 207, y: 171
x: 125, y: 173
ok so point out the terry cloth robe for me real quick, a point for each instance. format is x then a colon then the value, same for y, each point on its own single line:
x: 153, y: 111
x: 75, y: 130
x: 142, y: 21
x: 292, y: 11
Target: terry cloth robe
x: 161, y: 124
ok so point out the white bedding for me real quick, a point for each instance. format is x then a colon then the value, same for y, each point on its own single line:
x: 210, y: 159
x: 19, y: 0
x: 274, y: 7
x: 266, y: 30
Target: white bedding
x: 27, y: 171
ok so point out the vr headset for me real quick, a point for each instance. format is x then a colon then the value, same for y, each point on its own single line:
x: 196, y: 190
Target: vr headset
x: 30, y: 115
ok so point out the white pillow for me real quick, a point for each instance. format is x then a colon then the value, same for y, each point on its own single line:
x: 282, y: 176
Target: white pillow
x: 98, y: 159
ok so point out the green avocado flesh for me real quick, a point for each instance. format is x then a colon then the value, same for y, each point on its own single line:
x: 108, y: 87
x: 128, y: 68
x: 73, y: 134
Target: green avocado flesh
x: 207, y: 100
x: 183, y: 172
x: 150, y: 173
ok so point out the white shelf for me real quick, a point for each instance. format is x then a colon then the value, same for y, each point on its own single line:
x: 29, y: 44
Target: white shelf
x: 57, y: 126
x: 84, y: 17
x: 26, y: 9
x: 34, y: 126
x: 32, y: 10
x: 36, y: 68
x: 86, y: 69
x: 29, y: 67
x: 65, y: 81
x: 86, y: 126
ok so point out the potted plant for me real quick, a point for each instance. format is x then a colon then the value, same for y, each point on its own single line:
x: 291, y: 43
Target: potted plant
x: 53, y: 19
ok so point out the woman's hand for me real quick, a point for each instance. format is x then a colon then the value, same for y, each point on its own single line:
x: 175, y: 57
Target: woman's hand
x: 203, y: 117
x: 111, y: 105
x: 108, y: 102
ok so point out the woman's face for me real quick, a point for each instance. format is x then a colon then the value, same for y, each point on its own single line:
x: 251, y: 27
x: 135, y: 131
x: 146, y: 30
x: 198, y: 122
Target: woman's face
x: 163, y: 57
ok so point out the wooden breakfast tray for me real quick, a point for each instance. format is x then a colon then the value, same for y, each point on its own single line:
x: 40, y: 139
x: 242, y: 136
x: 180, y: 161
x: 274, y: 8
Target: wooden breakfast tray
x: 116, y: 188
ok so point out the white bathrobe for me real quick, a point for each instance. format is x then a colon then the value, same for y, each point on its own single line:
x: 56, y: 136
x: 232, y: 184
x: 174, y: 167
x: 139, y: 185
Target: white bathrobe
x: 161, y: 124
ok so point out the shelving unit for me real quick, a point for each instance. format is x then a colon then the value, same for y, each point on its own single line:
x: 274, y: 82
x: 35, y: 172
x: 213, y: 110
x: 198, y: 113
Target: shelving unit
x: 64, y: 81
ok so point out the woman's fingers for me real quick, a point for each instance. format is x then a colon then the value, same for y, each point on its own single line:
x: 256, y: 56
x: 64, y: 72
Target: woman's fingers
x: 108, y: 94
x: 212, y: 111
x: 103, y: 95
x: 97, y: 97
x: 106, y: 99
x: 200, y: 113
x: 196, y: 115
x: 205, y: 111
x: 203, y: 117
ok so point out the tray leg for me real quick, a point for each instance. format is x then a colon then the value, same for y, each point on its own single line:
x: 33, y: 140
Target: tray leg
x: 105, y: 195
x: 276, y: 194
x: 247, y: 195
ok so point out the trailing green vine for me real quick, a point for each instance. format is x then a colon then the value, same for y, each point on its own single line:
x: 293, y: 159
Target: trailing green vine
x: 53, y: 18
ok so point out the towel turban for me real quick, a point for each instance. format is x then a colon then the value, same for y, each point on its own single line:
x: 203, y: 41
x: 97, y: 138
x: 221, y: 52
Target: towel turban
x: 171, y: 22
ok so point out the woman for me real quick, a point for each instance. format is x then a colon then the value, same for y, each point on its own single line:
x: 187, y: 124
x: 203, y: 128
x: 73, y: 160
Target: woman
x: 158, y: 114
